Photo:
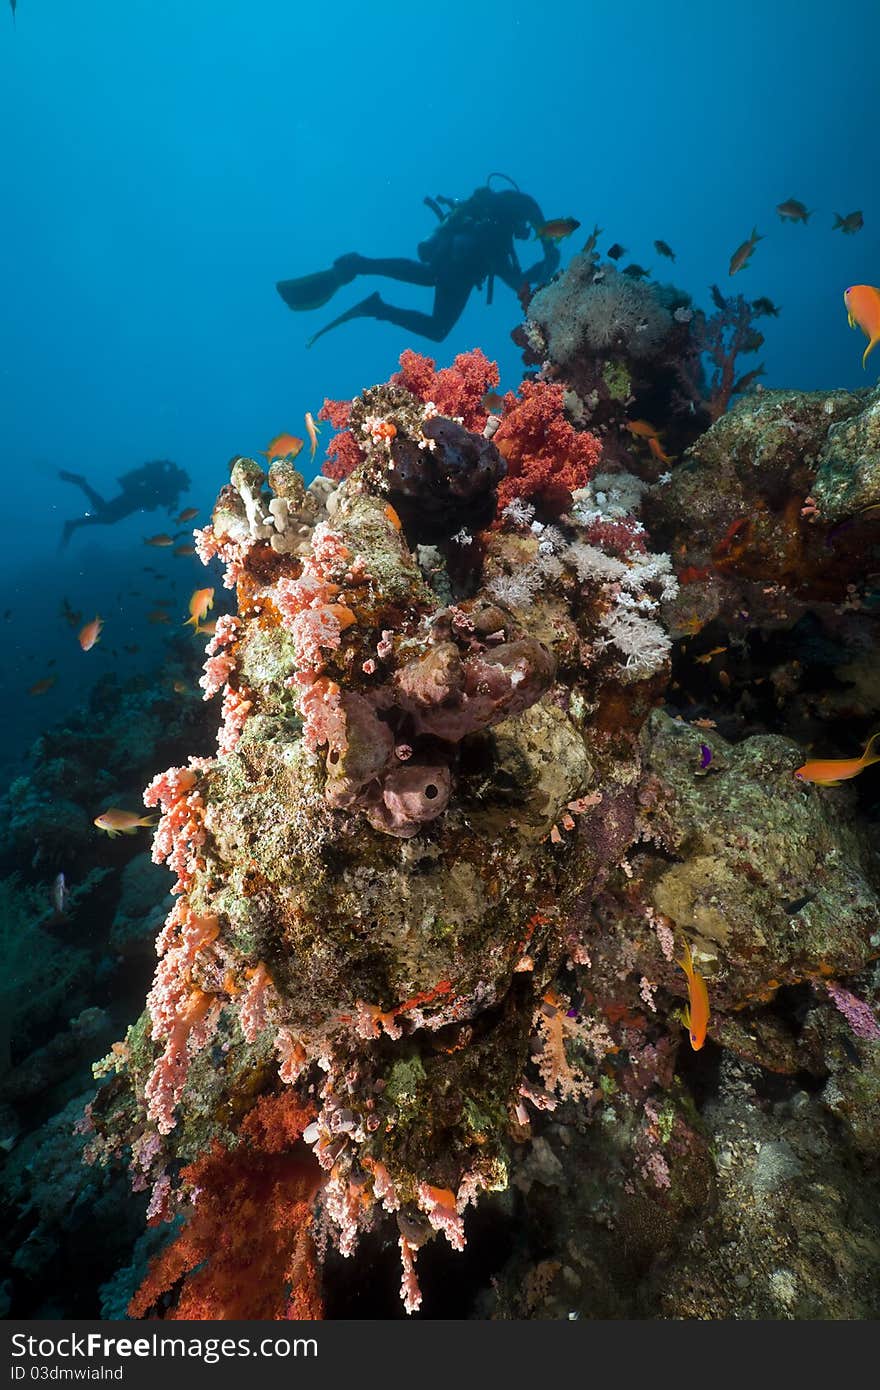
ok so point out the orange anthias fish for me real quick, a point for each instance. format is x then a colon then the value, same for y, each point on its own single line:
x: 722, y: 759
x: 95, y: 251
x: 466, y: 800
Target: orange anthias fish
x: 557, y: 229
x: 207, y: 629
x: 830, y: 772
x: 161, y: 540
x: 283, y: 446
x: 90, y: 634
x: 187, y: 515
x: 116, y: 822
x: 313, y: 433
x: 863, y: 309
x: 656, y: 449
x: 201, y: 601
x: 696, y: 1015
x: 642, y: 429
x: 40, y: 687
x: 742, y: 254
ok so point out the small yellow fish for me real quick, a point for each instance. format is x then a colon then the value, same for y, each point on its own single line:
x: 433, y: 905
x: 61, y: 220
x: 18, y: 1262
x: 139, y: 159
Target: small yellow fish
x: 313, y: 433
x: 696, y: 1015
x: 116, y: 822
x: 709, y: 656
x: 863, y: 310
x: 201, y: 601
x: 830, y: 772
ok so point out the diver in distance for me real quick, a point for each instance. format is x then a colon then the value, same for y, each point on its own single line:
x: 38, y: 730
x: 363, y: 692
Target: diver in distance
x: 158, y: 483
x: 473, y: 245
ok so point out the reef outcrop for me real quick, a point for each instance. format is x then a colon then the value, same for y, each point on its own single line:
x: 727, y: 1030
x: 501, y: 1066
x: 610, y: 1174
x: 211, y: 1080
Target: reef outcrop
x: 434, y: 884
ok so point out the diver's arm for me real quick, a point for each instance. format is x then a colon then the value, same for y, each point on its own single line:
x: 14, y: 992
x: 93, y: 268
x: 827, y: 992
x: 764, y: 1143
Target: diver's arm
x: 544, y: 269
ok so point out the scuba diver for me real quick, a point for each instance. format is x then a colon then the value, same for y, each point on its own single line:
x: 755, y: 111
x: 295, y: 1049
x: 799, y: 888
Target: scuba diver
x: 472, y: 245
x: 155, y: 484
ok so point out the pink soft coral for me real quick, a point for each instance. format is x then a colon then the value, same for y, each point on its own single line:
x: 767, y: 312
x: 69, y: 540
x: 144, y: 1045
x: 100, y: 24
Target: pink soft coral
x: 547, y: 459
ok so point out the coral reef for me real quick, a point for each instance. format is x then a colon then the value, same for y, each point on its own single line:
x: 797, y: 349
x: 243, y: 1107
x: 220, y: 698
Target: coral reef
x: 505, y: 716
x: 371, y: 876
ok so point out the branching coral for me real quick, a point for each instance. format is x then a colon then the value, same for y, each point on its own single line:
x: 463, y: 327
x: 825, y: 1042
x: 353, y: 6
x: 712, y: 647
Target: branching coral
x: 721, y: 337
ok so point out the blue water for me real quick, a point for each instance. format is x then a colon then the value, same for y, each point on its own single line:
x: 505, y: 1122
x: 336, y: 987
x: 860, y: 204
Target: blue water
x: 164, y: 163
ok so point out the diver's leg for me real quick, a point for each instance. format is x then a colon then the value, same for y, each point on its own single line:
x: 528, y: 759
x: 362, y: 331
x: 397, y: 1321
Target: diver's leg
x: 90, y: 519
x: 79, y: 481
x: 450, y: 299
x: 449, y: 302
x: 391, y: 267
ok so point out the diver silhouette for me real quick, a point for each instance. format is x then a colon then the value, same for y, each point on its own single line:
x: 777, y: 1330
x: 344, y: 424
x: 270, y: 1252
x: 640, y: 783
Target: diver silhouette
x: 472, y: 245
x: 158, y: 483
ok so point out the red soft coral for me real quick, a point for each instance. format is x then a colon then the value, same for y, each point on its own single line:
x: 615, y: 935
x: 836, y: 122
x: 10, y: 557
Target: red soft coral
x: 343, y: 451
x: 547, y: 459
x: 456, y: 391
x: 247, y: 1250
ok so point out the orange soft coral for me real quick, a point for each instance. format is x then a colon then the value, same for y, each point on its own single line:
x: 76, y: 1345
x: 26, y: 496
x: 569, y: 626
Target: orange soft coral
x: 247, y: 1250
x: 546, y: 457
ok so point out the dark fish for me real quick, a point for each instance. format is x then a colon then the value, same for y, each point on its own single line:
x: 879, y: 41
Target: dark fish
x: 663, y: 250
x: 68, y: 614
x: 792, y: 211
x: 797, y: 903
x: 493, y: 401
x: 7, y: 615
x: 743, y: 253
x: 131, y: 649
x: 12, y: 5
x: 766, y: 306
x: 590, y: 243
x: 853, y: 222
x: 636, y: 272
x: 616, y: 251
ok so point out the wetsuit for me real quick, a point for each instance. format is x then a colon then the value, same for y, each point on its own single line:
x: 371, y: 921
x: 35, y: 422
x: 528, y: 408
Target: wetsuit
x: 153, y: 485
x: 472, y: 244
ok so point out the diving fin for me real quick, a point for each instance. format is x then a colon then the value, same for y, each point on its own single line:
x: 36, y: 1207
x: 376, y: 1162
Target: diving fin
x: 311, y: 291
x: 368, y: 308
